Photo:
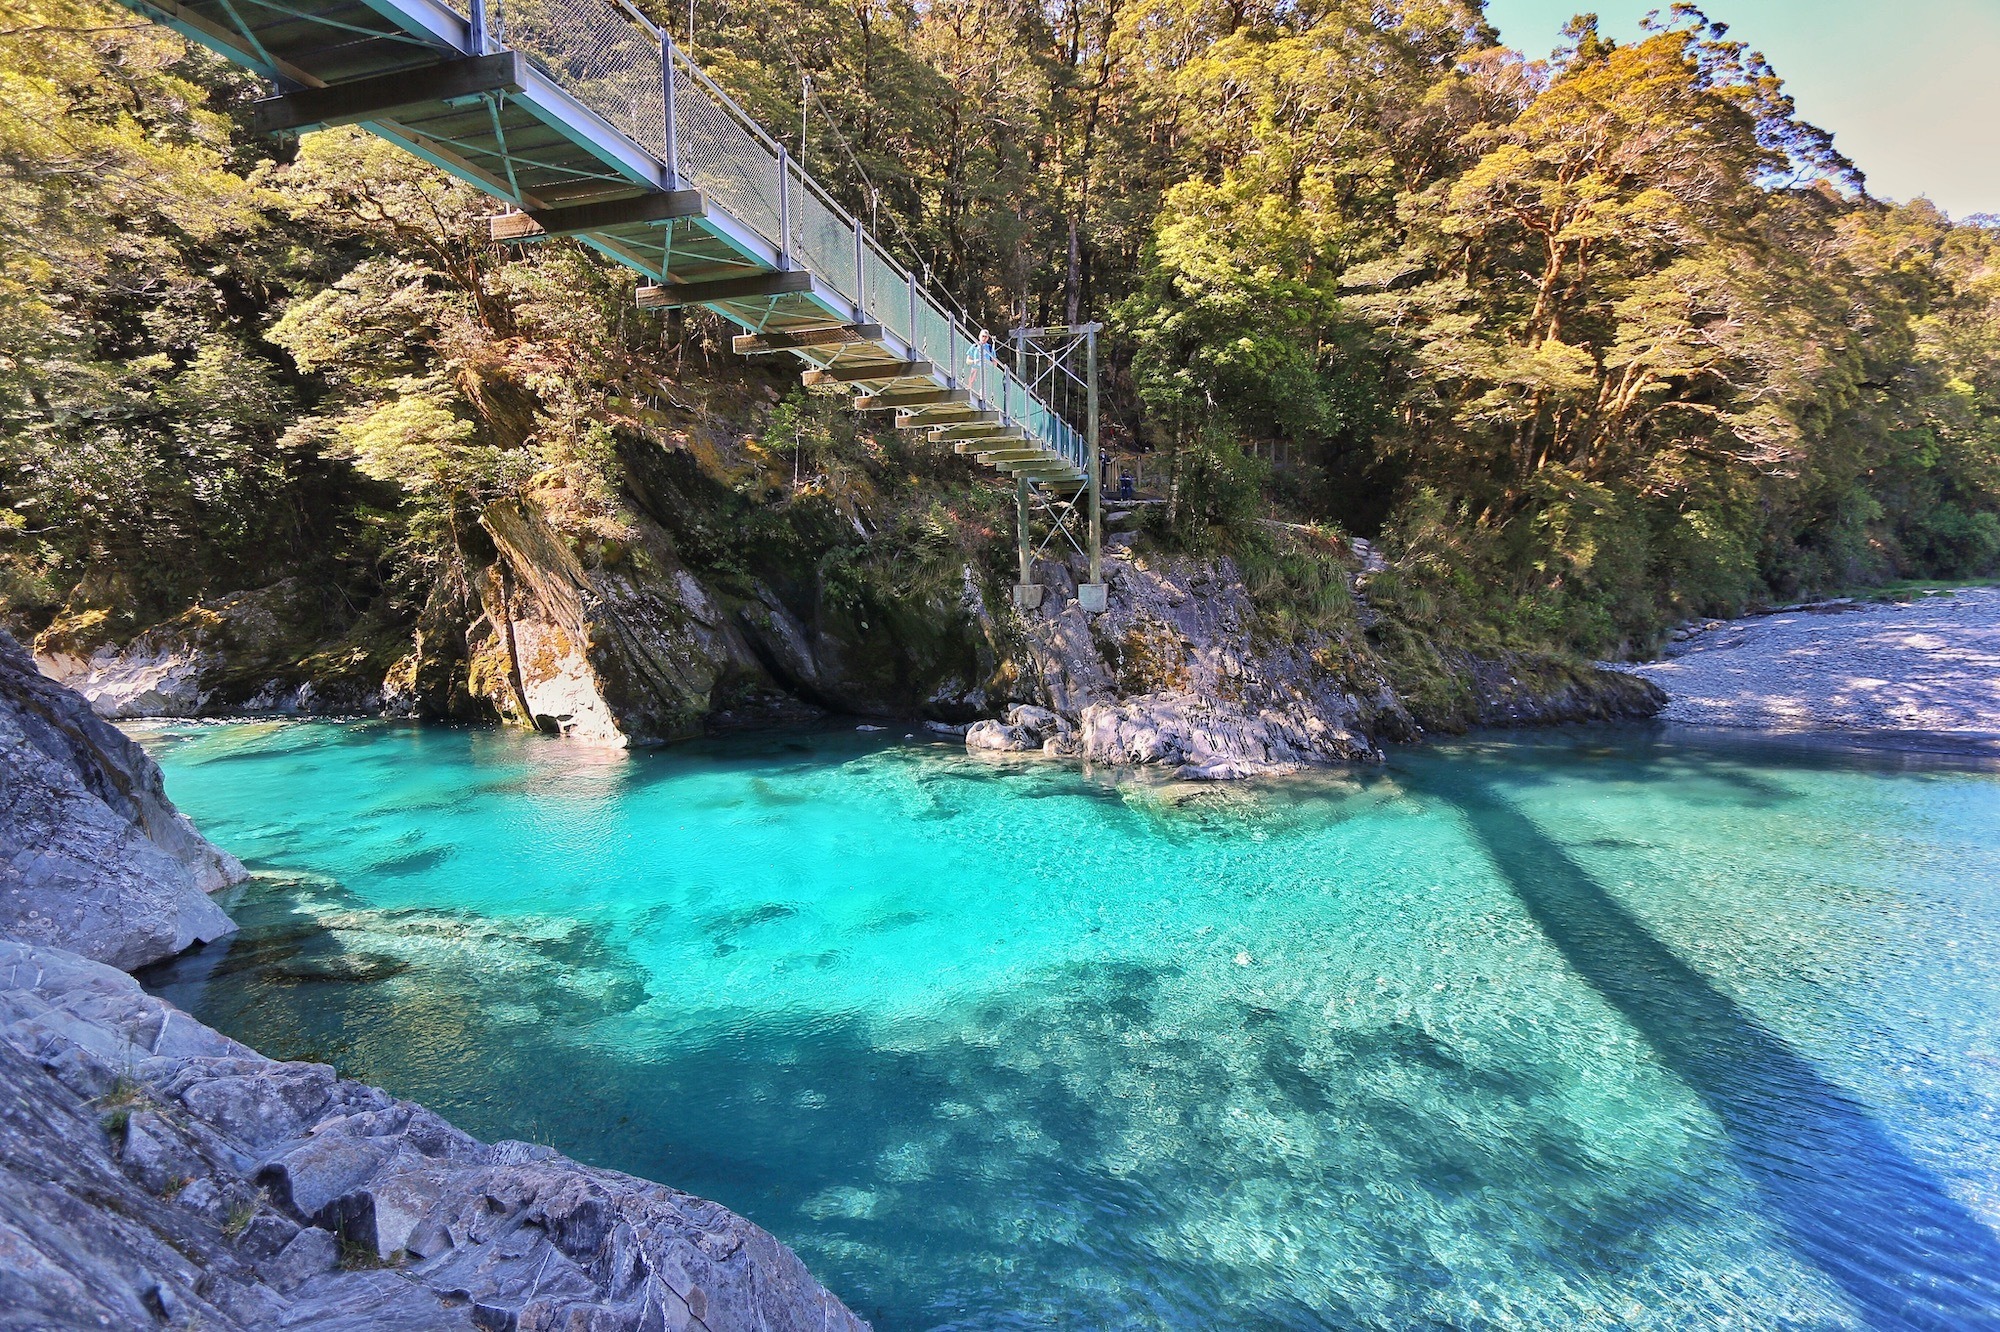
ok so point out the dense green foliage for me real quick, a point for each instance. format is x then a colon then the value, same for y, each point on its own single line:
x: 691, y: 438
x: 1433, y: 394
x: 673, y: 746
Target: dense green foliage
x: 1588, y: 343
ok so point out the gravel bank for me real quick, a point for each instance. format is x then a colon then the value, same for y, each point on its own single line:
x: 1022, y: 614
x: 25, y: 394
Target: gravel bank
x: 1931, y: 666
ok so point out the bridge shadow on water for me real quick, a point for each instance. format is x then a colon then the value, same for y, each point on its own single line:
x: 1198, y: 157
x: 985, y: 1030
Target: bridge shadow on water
x: 1847, y: 1198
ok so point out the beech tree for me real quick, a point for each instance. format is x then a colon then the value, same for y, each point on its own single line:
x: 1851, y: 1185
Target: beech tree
x: 1585, y: 343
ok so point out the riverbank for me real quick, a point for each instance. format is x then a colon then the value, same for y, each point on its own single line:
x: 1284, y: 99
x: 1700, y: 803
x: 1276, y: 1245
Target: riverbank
x: 1923, y: 670
x: 156, y: 1172
x: 1186, y: 669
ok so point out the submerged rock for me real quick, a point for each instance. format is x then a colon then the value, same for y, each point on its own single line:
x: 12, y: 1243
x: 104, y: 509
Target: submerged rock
x: 154, y: 1171
x: 92, y: 854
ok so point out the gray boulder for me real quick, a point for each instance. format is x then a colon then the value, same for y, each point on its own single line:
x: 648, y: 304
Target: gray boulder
x: 153, y: 1172
x: 996, y: 737
x: 92, y: 854
x: 1175, y: 674
x: 1025, y: 729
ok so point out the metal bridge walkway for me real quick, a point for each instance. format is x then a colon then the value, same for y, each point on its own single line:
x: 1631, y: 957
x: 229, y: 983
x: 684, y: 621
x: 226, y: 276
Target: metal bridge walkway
x: 588, y: 119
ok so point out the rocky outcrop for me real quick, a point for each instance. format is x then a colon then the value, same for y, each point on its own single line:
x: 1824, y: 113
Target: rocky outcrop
x: 1175, y: 674
x: 627, y: 647
x: 1541, y: 691
x: 678, y: 606
x: 1451, y: 690
x: 92, y: 854
x: 155, y: 1173
x: 621, y: 642
x: 270, y: 650
x: 1182, y: 672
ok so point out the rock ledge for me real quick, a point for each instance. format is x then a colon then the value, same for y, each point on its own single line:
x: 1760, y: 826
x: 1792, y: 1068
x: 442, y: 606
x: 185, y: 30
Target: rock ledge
x: 156, y: 1173
x: 92, y: 854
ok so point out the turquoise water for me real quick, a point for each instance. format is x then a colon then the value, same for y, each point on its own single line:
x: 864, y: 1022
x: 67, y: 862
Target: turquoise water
x: 1605, y: 1030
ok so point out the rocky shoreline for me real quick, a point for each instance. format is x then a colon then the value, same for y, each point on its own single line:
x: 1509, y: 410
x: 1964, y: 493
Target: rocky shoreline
x: 1172, y: 674
x: 155, y: 1173
x: 1182, y: 671
x: 1925, y: 668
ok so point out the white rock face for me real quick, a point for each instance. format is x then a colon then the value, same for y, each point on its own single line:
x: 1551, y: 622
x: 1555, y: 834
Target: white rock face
x: 561, y: 685
x: 92, y: 855
x: 235, y: 654
x: 151, y: 679
x: 607, y: 655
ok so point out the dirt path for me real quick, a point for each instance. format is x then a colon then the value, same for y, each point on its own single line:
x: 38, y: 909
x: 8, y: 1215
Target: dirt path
x: 1931, y: 665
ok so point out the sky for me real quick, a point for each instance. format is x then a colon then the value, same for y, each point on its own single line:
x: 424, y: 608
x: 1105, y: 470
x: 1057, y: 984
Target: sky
x: 1910, y: 88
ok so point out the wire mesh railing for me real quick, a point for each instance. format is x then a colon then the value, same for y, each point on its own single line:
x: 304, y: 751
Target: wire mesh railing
x: 822, y: 238
x: 609, y: 64
x: 626, y: 69
x: 732, y: 165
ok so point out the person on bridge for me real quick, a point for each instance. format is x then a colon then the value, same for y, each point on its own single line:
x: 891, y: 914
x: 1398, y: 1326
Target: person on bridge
x: 981, y: 352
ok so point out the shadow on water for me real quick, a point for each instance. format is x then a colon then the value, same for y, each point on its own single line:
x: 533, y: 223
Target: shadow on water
x: 1070, y: 1158
x: 1848, y: 1199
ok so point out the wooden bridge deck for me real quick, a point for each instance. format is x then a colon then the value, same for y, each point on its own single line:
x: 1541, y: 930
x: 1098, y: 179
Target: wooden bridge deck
x: 583, y: 117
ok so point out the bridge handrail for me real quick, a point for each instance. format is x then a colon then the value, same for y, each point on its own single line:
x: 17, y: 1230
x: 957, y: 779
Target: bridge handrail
x: 622, y: 65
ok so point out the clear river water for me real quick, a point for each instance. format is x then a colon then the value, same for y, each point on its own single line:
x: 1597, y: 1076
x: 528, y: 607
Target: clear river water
x: 1583, y: 1030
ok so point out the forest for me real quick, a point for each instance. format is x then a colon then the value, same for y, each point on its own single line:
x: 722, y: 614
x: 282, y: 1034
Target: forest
x: 1586, y: 342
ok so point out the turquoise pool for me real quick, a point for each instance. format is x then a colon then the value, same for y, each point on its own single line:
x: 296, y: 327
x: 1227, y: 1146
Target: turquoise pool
x: 1607, y: 1029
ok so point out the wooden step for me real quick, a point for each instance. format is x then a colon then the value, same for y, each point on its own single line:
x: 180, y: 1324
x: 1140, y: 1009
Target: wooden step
x: 576, y: 219
x: 834, y: 335
x: 906, y: 398
x: 748, y: 287
x: 885, y: 372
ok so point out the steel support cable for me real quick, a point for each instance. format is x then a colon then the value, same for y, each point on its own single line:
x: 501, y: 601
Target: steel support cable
x: 1059, y: 437
x: 874, y: 191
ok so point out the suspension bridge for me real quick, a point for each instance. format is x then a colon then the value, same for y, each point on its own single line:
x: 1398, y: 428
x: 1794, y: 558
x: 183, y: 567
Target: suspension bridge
x: 588, y: 121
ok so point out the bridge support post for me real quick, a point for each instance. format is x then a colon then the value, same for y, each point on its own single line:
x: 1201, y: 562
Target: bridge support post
x: 1093, y: 595
x: 670, y: 113
x: 860, y: 274
x: 1027, y: 592
x: 784, y: 208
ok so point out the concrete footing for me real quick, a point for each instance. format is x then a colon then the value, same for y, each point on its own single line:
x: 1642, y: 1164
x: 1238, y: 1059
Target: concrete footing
x: 1027, y: 596
x: 1092, y: 597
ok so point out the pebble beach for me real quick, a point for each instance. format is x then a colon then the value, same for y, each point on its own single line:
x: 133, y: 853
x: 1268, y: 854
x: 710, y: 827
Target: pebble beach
x: 1929, y: 666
